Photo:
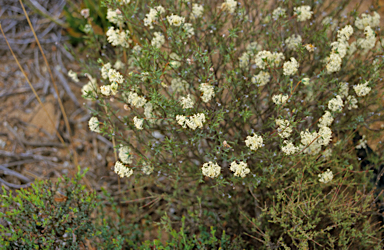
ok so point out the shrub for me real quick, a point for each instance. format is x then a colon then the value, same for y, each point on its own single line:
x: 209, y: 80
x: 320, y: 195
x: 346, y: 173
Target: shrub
x: 47, y: 215
x: 248, y: 112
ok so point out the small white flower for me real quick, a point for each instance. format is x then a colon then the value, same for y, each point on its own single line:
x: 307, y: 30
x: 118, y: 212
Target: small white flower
x: 84, y: 13
x: 90, y: 88
x: 362, y: 89
x: 303, y: 13
x: 278, y: 12
x: 104, y: 70
x: 187, y: 102
x: 122, y: 170
x: 284, y: 130
x: 181, y: 119
x: 211, y: 169
x: 152, y: 16
x: 326, y: 120
x: 261, y: 79
x: 367, y: 20
x: 158, y: 40
x: 115, y: 16
x: 197, y: 11
x: 254, y: 142
x: 138, y: 122
x: 352, y: 102
x: 125, y: 154
x: 241, y: 169
x: 266, y: 58
x: 229, y: 5
x: 106, y: 90
x: 175, y: 20
x: 208, y: 92
x: 293, y: 41
x: 289, y: 148
x: 310, y: 47
x: 179, y: 85
x: 73, y: 76
x: 115, y: 76
x: 147, y: 169
x: 344, y: 88
x: 244, y: 60
x: 362, y: 143
x: 94, y: 124
x: 326, y: 176
x: 279, y: 99
x: 305, y: 81
x: 333, y: 63
x: 291, y: 67
x: 336, y: 104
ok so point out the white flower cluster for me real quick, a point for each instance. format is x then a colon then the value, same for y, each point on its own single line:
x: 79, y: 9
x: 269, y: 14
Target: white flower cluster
x: 134, y: 99
x: 309, y: 47
x: 117, y: 37
x: 175, y: 20
x: 179, y: 85
x: 197, y: 11
x: 326, y: 176
x: 303, y: 13
x: 211, y: 169
x: 208, y: 92
x: 279, y: 99
x: 339, y: 49
x: 290, y: 68
x: 193, y: 122
x: 108, y: 90
x: 312, y: 142
x: 326, y: 120
x: 138, y: 122
x: 368, y: 20
x: 293, y: 41
x: 73, y: 76
x: 176, y: 60
x: 278, y: 12
x: 241, y: 169
x: 94, y: 124
x: 305, y: 81
x: 115, y: 16
x: 352, y: 102
x: 158, y: 40
x: 262, y: 78
x: 115, y: 76
x: 254, y: 142
x: 362, y: 143
x: 147, y: 169
x: 151, y: 17
x: 369, y: 41
x: 336, y: 104
x: 284, y: 130
x: 265, y: 57
x: 122, y: 170
x: 362, y: 89
x: 187, y: 102
x: 89, y: 88
x: 229, y: 5
x: 189, y: 29
x: 289, y: 148
x: 344, y: 89
x: 148, y: 108
x: 125, y: 154
x: 244, y: 60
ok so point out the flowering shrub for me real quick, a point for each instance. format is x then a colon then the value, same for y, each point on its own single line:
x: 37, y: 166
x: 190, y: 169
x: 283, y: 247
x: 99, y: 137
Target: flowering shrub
x: 259, y: 101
